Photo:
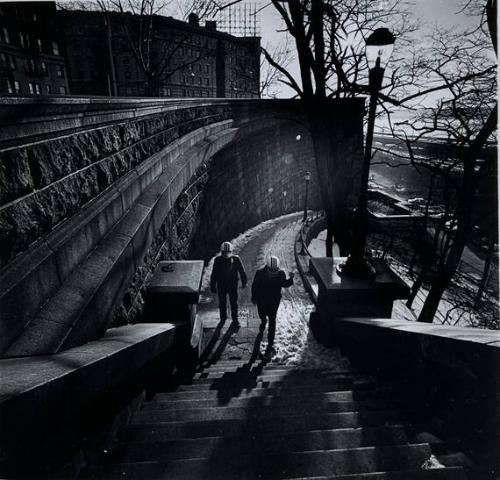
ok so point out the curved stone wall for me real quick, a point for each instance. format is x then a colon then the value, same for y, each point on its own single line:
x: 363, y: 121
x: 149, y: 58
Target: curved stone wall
x: 94, y: 192
x: 79, y: 213
x: 44, y: 183
x: 255, y: 178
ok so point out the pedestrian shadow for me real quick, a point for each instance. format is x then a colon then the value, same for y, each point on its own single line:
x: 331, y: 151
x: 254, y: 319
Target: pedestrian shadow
x: 231, y: 384
x: 211, y: 356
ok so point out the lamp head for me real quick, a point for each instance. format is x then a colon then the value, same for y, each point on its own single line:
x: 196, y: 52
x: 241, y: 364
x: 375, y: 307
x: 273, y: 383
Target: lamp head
x: 307, y: 176
x: 379, y: 46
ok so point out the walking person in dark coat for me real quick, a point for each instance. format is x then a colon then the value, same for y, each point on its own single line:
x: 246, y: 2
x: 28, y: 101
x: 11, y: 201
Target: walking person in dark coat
x: 224, y: 280
x: 266, y: 293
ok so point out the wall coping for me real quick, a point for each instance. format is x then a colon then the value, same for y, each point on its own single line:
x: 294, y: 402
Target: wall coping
x: 31, y: 119
x: 35, y: 375
x: 488, y: 338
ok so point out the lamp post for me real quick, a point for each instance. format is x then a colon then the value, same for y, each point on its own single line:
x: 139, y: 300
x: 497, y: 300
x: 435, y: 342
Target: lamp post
x: 379, y: 47
x: 307, y: 178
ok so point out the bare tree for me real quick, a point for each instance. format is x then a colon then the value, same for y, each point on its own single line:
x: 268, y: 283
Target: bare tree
x: 271, y: 77
x: 462, y: 65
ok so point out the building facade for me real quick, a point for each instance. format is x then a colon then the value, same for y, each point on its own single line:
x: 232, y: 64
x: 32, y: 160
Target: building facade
x: 32, y: 60
x: 126, y: 55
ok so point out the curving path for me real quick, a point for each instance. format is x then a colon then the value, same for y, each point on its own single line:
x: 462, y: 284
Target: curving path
x: 294, y: 343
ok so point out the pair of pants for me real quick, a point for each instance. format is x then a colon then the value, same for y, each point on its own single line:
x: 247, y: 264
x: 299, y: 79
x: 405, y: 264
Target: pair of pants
x: 233, y: 300
x: 265, y: 312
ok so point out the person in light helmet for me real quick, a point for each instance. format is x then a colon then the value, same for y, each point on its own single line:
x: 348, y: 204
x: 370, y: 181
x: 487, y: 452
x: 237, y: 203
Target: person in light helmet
x: 224, y: 280
x: 266, y: 294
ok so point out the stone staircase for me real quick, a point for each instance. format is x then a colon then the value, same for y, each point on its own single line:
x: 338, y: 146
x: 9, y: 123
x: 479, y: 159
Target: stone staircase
x: 236, y: 421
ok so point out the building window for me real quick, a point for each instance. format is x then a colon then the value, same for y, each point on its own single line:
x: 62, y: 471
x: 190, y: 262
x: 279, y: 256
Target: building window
x: 3, y: 59
x: 206, y: 69
x: 38, y: 90
x: 55, y: 48
x: 43, y: 67
x: 5, y: 35
x: 59, y: 71
x: 199, y: 80
x: 207, y: 82
x: 12, y: 62
x: 39, y: 44
x: 17, y: 87
x: 10, y: 89
x: 48, y: 89
x: 31, y: 65
x: 31, y: 88
x: 62, y: 90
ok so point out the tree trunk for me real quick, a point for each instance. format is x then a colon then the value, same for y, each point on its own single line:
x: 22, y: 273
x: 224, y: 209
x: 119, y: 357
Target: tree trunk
x: 329, y: 241
x: 439, y: 285
x: 486, y: 274
x: 334, y: 169
x: 417, y: 285
x: 464, y: 221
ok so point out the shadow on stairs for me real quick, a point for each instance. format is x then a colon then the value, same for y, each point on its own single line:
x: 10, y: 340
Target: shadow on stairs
x: 238, y: 420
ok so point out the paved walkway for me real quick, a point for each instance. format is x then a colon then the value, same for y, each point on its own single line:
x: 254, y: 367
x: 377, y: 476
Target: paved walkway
x: 294, y: 343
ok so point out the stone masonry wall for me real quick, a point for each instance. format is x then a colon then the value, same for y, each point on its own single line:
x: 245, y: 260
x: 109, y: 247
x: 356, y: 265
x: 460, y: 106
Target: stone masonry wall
x: 94, y: 192
x: 43, y: 184
x: 172, y: 242
x: 61, y: 197
x: 254, y: 179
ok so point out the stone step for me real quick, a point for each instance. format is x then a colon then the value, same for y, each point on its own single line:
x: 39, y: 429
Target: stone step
x: 262, y: 465
x: 259, y: 409
x: 233, y: 365
x: 151, y: 427
x: 233, y: 384
x: 151, y: 416
x: 275, y: 368
x: 450, y: 473
x: 327, y: 392
x: 288, y: 375
x: 292, y: 442
x: 291, y: 402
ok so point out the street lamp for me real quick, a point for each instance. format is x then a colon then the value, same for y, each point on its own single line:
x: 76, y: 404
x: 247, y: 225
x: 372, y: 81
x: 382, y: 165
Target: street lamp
x: 307, y: 178
x: 379, y: 47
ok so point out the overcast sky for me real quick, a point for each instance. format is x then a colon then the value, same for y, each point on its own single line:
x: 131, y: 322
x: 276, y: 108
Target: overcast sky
x: 445, y: 13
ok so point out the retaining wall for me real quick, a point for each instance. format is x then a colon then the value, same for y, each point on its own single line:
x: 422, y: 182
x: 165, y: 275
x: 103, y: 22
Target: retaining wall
x: 95, y: 191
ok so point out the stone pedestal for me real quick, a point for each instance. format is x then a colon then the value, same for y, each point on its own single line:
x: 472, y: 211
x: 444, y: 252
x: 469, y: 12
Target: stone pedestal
x: 172, y: 295
x: 340, y: 297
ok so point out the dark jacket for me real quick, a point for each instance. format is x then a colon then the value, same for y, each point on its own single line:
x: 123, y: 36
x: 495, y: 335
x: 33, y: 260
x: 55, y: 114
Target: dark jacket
x: 266, y: 286
x: 225, y: 273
